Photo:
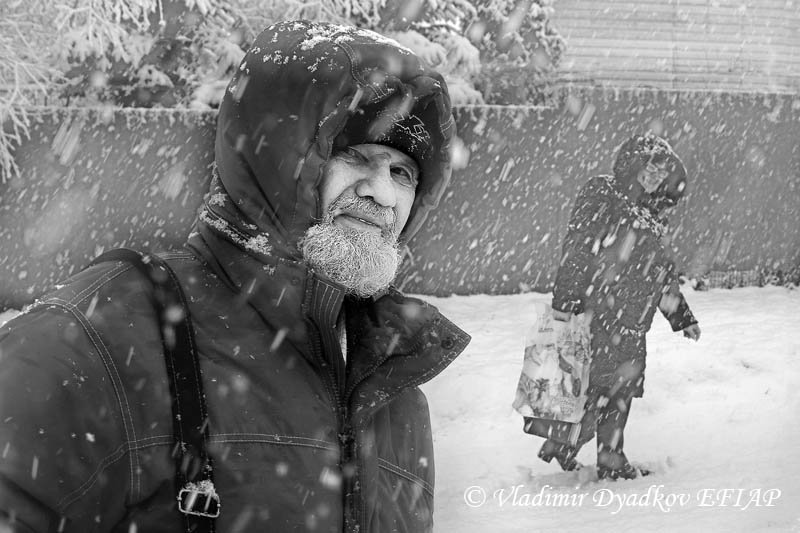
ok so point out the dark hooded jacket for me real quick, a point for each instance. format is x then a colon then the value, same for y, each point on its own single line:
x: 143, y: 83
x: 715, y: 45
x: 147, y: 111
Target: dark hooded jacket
x: 615, y: 267
x: 299, y: 443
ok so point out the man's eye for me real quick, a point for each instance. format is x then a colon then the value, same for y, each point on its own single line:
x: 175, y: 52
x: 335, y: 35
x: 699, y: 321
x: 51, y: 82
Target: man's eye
x: 355, y: 155
x: 404, y: 176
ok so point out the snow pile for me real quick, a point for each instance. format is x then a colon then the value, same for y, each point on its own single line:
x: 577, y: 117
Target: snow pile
x: 717, y: 422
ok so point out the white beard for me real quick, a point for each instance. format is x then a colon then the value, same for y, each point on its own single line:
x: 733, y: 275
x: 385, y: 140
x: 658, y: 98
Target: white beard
x: 364, y: 262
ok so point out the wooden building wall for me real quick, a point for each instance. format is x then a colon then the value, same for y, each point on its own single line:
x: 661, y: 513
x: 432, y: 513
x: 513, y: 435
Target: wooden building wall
x: 719, y: 45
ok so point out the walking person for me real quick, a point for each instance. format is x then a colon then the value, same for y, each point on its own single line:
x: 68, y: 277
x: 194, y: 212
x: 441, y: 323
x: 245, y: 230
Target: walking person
x: 615, y: 268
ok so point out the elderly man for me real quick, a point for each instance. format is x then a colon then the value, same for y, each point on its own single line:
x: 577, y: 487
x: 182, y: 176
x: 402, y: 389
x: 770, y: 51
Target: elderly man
x: 332, y: 147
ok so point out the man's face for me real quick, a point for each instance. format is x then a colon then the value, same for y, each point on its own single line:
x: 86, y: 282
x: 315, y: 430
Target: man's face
x: 384, y: 176
x: 366, y: 196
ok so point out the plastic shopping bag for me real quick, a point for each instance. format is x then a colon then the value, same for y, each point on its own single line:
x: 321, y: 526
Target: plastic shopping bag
x: 555, y: 374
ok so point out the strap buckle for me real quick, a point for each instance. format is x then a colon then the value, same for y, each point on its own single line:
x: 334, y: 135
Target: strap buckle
x: 199, y: 499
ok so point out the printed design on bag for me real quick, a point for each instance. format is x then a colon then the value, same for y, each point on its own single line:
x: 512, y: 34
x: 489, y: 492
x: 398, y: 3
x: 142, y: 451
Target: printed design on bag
x: 555, y: 372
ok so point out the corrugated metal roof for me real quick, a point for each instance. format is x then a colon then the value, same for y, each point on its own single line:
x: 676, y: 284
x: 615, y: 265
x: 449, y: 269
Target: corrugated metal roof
x: 721, y: 45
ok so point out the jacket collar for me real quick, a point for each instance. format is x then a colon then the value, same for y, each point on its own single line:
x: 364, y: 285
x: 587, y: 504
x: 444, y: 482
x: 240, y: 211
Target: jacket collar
x: 395, y: 343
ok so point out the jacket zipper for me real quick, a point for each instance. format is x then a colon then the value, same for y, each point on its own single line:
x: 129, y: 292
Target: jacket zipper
x: 349, y: 476
x: 335, y: 379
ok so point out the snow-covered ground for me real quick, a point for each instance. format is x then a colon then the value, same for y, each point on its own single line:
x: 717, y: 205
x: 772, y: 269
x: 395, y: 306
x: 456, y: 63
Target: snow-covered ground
x: 719, y: 422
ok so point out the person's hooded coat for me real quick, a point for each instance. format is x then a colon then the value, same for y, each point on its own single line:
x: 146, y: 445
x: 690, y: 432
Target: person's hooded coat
x: 298, y: 443
x: 615, y: 267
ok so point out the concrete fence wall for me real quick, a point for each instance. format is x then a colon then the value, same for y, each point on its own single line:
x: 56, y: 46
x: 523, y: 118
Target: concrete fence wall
x: 96, y: 179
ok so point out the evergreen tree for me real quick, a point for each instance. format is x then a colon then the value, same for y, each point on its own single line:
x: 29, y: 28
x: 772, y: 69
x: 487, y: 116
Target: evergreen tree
x: 181, y: 53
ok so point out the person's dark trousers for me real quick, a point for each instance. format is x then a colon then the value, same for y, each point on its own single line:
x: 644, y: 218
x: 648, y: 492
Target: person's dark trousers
x: 608, y: 418
x: 611, y: 460
x: 610, y: 433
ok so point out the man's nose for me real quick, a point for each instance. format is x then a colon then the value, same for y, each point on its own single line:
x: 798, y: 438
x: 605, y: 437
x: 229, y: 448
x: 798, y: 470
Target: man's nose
x: 377, y: 183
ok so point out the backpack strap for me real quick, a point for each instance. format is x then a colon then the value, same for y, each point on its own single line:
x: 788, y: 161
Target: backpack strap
x: 197, y: 498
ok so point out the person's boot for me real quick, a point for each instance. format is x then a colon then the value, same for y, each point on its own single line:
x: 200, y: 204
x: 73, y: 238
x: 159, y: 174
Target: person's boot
x: 563, y: 453
x: 614, y: 465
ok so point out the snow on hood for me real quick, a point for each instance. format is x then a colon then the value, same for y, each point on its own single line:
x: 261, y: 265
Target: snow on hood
x: 298, y: 88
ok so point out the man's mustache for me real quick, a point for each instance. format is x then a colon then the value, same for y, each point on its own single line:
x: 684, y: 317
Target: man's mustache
x: 356, y: 205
